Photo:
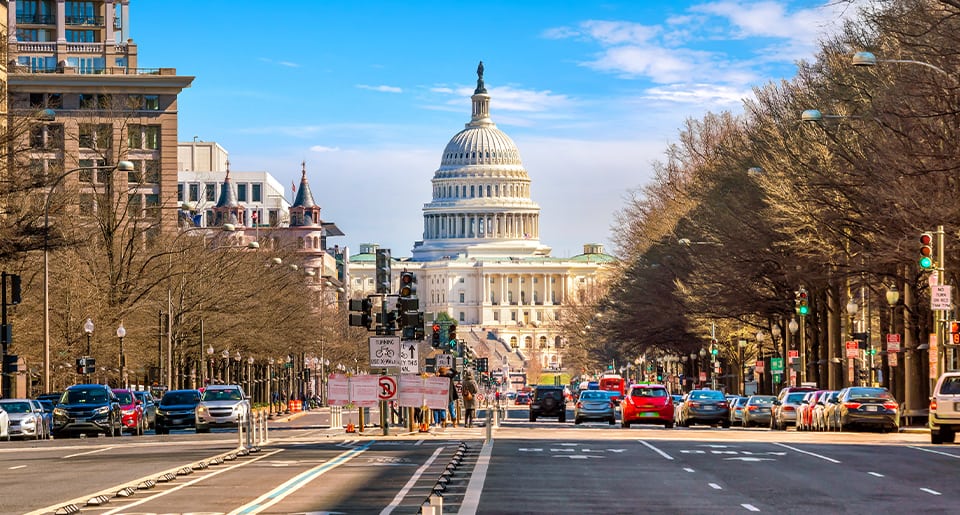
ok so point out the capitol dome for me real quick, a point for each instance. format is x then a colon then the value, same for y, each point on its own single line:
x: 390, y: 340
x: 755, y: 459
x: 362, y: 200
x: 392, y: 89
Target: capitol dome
x: 481, y: 202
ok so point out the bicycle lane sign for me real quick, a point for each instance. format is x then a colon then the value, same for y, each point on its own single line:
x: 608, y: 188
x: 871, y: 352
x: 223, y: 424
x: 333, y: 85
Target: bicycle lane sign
x: 384, y: 351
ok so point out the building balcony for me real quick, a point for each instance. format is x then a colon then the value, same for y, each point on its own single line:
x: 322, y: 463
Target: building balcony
x: 36, y: 19
x: 85, y: 21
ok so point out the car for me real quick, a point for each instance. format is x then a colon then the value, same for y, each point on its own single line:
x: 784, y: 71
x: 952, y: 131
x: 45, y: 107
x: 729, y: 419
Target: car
x: 548, y: 401
x: 647, y: 404
x: 4, y: 425
x: 522, y: 399
x: 594, y: 405
x: 677, y: 399
x: 805, y: 410
x: 53, y: 397
x: 222, y: 405
x: 863, y: 406
x: 177, y: 410
x: 756, y: 412
x: 510, y: 395
x: 87, y: 409
x: 131, y: 412
x: 25, y: 418
x: 944, y: 417
x: 705, y: 407
x: 785, y: 409
x: 149, y: 404
x: 736, y: 409
x: 822, y: 410
x: 47, y: 407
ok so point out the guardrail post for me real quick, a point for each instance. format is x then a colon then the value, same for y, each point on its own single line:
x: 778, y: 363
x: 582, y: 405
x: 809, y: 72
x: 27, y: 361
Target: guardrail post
x: 240, y: 432
x: 489, y: 425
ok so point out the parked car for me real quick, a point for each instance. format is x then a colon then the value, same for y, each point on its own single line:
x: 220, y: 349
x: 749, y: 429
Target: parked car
x: 222, y: 405
x: 785, y: 409
x: 4, y: 425
x: 821, y: 422
x: 548, y: 401
x: 594, y: 405
x: 805, y: 410
x: 736, y: 410
x: 944, y: 418
x: 862, y: 406
x: 47, y: 407
x: 149, y: 404
x: 26, y: 419
x: 177, y: 410
x: 830, y: 411
x: 756, y: 412
x: 87, y: 409
x: 705, y: 407
x: 131, y: 412
x: 647, y: 404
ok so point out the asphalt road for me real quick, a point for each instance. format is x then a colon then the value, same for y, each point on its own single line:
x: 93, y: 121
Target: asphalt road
x: 542, y: 467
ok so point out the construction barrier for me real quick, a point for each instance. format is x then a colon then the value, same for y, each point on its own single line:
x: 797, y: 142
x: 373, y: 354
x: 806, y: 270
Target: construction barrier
x: 296, y: 406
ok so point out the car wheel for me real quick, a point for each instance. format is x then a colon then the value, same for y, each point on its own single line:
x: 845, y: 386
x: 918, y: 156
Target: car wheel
x: 533, y: 418
x: 667, y: 425
x: 612, y: 421
x: 935, y: 438
x: 203, y: 429
x: 577, y: 421
x: 725, y: 424
x: 625, y: 424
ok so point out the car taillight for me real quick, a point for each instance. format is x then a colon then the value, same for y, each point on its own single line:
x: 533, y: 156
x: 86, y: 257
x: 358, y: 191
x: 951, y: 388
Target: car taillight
x: 751, y: 408
x: 890, y: 405
x: 580, y: 405
x: 694, y: 404
x: 722, y: 404
x: 852, y: 405
x: 789, y: 408
x: 933, y: 404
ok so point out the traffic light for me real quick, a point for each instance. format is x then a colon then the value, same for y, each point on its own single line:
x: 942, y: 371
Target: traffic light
x: 803, y: 302
x: 482, y: 364
x: 363, y: 316
x: 862, y: 374
x: 452, y: 336
x: 659, y: 373
x: 435, y: 341
x: 408, y: 284
x: 412, y: 325
x: 926, y: 251
x: 955, y: 332
x: 714, y: 350
x: 86, y: 365
x: 383, y: 271
x: 14, y: 289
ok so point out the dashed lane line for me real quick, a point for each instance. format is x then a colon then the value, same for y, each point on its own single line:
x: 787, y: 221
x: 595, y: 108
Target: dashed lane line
x: 808, y: 453
x: 715, y: 486
x: 658, y: 451
x: 750, y: 507
x: 931, y: 492
x: 89, y: 452
x: 875, y: 474
x: 931, y: 451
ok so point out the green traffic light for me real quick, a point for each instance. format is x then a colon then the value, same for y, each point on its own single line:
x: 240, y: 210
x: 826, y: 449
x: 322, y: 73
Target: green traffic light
x: 803, y: 310
x: 926, y: 262
x: 714, y: 351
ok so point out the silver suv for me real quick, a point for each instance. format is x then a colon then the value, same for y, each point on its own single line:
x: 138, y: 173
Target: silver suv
x: 944, y: 416
x: 222, y: 406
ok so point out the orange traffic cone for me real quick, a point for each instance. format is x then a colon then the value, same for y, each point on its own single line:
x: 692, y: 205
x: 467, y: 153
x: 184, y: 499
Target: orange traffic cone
x: 351, y: 428
x: 424, y: 428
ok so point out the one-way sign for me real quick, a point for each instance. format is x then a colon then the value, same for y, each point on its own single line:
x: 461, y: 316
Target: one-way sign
x: 409, y: 358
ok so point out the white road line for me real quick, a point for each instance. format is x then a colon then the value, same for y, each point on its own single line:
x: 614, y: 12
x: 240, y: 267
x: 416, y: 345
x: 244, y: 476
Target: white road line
x: 808, y: 453
x: 750, y: 507
x: 877, y: 474
x: 688, y: 469
x: 418, y: 442
x: 934, y: 452
x: 471, y: 499
x: 715, y: 486
x: 658, y: 451
x: 931, y: 492
x: 413, y: 480
x: 17, y: 467
x: 89, y: 452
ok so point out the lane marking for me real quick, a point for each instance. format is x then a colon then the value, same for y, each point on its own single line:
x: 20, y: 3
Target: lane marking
x: 934, y: 452
x: 204, y: 477
x: 658, y: 451
x: 808, y: 453
x: 89, y: 452
x: 17, y: 467
x: 931, y: 492
x: 299, y: 481
x: 688, y: 469
x: 413, y: 480
x: 715, y: 486
x: 750, y: 507
x: 418, y: 442
x: 471, y: 499
x: 876, y: 474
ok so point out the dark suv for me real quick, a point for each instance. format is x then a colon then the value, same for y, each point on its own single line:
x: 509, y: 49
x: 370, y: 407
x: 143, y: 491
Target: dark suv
x: 548, y: 401
x: 87, y: 409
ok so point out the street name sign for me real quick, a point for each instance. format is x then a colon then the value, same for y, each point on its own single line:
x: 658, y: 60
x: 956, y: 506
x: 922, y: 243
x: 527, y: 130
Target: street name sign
x: 384, y: 351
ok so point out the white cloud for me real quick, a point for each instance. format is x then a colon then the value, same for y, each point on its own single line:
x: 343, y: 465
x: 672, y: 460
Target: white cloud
x: 322, y: 148
x: 702, y: 94
x: 381, y: 88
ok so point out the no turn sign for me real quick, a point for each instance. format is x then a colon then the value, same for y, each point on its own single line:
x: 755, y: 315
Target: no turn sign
x: 388, y: 388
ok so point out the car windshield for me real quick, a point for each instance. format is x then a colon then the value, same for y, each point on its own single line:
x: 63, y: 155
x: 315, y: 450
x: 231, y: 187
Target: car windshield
x: 707, y: 395
x: 794, y: 398
x: 175, y: 398
x: 46, y: 405
x: 594, y: 396
x: 869, y: 393
x: 648, y: 392
x: 142, y: 396
x: 125, y: 398
x: 222, y: 395
x: 950, y: 386
x: 762, y: 401
x: 16, y: 407
x: 557, y: 394
x: 84, y: 396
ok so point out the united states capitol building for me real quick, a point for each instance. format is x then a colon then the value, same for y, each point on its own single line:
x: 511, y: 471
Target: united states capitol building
x: 481, y: 260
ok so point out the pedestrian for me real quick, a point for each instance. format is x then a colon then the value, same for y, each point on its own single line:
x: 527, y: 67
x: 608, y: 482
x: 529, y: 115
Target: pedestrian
x: 454, y: 396
x: 440, y: 415
x: 470, y: 390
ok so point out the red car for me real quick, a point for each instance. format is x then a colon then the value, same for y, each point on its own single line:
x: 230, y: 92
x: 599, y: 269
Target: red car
x: 131, y: 410
x: 647, y: 404
x: 805, y: 410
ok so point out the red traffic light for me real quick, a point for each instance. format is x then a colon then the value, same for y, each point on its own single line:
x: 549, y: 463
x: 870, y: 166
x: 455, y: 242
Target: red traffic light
x: 955, y: 327
x: 926, y: 238
x: 436, y: 328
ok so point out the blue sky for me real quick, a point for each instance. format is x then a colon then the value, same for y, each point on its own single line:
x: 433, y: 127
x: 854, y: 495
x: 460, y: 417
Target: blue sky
x: 368, y: 93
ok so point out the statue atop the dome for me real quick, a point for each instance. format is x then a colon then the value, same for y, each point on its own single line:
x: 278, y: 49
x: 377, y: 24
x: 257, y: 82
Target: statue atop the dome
x: 481, y: 89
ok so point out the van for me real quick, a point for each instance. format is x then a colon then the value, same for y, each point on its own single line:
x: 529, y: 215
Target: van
x: 944, y: 418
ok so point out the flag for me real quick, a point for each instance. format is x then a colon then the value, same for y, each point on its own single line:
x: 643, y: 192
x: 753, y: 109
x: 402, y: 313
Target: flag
x: 293, y: 186
x: 254, y: 216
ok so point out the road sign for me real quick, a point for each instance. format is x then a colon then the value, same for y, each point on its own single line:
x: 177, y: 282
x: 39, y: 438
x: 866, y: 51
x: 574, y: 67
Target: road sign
x: 758, y: 366
x: 940, y: 298
x: 776, y: 365
x: 853, y: 349
x: 703, y: 376
x: 892, y: 359
x: 893, y: 343
x: 384, y: 351
x: 409, y: 358
x: 445, y: 360
x: 388, y: 388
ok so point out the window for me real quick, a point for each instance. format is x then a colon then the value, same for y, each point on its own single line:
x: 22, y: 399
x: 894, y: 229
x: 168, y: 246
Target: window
x: 152, y: 203
x: 461, y: 280
x: 46, y: 100
x: 86, y: 204
x: 462, y: 316
x: 135, y: 176
x: 96, y: 136
x: 47, y: 136
x: 180, y: 192
x: 151, y: 137
x: 151, y: 102
x: 496, y: 316
x: 241, y: 192
x: 89, y: 173
x: 210, y: 192
x: 194, y: 193
x: 462, y: 297
x: 256, y: 192
x: 135, y: 136
x: 513, y: 316
x: 94, y: 101
x: 151, y: 171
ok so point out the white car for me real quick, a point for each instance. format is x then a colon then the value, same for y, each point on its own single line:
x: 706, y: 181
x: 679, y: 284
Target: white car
x: 944, y: 416
x: 25, y: 418
x: 222, y: 406
x: 4, y: 425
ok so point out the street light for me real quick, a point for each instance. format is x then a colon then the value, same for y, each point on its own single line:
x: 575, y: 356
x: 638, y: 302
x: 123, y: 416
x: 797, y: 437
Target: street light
x: 123, y: 166
x: 225, y: 375
x: 742, y: 347
x: 209, y: 357
x: 793, y: 326
x: 88, y: 328
x: 121, y: 332
x: 893, y: 296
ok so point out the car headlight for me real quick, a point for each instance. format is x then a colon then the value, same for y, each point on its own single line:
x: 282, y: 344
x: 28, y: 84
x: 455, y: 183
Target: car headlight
x: 29, y: 422
x: 201, y: 409
x: 129, y: 411
x: 60, y: 411
x: 102, y: 410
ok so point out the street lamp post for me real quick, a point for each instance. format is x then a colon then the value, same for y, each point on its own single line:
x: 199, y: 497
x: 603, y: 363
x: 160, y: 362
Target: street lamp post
x: 893, y: 297
x: 121, y: 332
x: 123, y: 166
x: 210, y: 358
x: 852, y: 309
x: 88, y: 328
x: 793, y: 327
x: 225, y: 374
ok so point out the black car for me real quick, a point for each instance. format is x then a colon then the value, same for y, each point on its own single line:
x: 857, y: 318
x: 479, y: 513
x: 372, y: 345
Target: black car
x: 53, y: 397
x: 704, y: 407
x: 548, y: 401
x: 869, y: 407
x: 87, y: 409
x: 149, y: 404
x: 177, y: 410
